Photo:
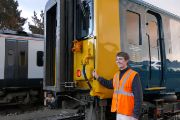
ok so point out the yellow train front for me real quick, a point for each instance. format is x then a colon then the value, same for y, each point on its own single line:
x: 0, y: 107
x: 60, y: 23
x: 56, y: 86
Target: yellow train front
x: 83, y: 35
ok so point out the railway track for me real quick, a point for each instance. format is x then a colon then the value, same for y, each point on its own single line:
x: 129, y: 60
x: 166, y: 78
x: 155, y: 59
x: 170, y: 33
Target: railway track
x: 38, y: 112
x: 68, y: 116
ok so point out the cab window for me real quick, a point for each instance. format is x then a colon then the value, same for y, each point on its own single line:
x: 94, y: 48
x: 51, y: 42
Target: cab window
x: 84, y: 18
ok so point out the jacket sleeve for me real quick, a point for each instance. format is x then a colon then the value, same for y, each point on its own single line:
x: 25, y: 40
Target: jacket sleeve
x: 138, y: 96
x: 106, y: 83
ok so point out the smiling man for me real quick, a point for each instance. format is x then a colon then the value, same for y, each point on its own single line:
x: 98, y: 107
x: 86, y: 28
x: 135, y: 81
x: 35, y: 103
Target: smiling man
x: 127, y: 97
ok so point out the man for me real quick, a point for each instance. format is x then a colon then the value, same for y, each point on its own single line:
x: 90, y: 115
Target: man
x: 127, y: 97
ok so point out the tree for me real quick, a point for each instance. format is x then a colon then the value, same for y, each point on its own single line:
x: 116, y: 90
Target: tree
x: 38, y: 27
x: 10, y: 16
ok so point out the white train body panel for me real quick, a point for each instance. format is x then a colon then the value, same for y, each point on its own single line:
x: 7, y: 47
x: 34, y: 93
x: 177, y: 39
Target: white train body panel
x: 34, y: 45
x: 34, y: 71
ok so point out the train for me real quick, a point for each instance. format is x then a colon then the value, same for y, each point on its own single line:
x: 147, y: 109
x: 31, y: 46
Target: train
x: 83, y: 35
x: 21, y: 66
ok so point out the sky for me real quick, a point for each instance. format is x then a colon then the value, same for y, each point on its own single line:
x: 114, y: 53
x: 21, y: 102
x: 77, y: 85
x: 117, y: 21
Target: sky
x: 172, y: 6
x: 28, y: 6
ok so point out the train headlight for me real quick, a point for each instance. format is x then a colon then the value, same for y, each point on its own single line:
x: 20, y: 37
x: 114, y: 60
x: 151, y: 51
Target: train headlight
x: 78, y: 73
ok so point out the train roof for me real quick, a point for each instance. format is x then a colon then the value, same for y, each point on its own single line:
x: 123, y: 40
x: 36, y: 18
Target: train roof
x: 49, y: 4
x: 156, y: 9
x: 20, y: 35
x: 140, y: 2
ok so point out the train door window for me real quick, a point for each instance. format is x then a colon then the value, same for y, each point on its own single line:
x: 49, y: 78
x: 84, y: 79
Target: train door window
x: 10, y: 57
x: 133, y: 32
x: 152, y: 30
x: 39, y: 61
x: 84, y: 18
x: 22, y: 58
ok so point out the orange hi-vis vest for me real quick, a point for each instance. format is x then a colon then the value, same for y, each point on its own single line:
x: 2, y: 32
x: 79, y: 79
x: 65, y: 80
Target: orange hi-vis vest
x: 123, y: 98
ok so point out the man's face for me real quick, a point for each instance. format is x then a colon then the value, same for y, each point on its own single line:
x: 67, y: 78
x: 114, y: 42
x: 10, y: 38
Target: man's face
x: 121, y: 62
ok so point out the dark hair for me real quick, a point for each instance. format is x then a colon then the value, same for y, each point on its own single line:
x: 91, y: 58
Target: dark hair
x: 123, y: 54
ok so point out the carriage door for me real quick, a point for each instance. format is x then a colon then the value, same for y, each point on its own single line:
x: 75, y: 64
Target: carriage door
x: 10, y: 60
x: 16, y: 59
x: 153, y: 36
x: 22, y: 51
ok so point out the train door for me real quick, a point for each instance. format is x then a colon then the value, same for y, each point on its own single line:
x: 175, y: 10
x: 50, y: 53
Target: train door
x: 133, y: 38
x: 153, y: 33
x: 10, y: 60
x: 22, y: 54
x: 16, y: 60
x: 141, y: 33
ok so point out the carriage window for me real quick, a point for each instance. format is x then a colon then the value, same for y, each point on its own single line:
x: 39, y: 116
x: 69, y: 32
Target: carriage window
x: 133, y: 35
x: 10, y: 57
x: 22, y: 58
x: 173, y: 47
x: 40, y: 55
x: 84, y: 18
x: 133, y: 28
x: 153, y: 32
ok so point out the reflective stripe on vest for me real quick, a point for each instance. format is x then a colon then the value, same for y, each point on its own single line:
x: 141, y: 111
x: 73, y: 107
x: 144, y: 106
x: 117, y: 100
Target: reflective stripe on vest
x: 121, y: 90
x: 123, y: 97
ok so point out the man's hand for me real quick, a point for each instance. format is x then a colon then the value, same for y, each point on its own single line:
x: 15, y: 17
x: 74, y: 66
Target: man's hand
x: 95, y: 75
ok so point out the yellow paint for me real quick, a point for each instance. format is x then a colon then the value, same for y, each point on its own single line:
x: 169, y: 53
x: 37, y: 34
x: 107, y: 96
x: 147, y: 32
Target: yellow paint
x: 107, y: 22
x: 86, y: 56
x: 156, y: 88
x: 106, y: 44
